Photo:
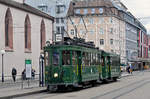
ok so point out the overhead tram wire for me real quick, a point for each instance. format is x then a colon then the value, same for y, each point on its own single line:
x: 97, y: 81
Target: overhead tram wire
x: 84, y: 26
x: 74, y: 27
x: 67, y: 33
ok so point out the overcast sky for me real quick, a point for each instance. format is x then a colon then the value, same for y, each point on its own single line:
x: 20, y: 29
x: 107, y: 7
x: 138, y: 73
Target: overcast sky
x: 140, y: 9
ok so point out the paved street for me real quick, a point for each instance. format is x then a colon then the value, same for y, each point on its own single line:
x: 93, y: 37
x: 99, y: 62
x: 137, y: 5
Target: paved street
x: 135, y: 86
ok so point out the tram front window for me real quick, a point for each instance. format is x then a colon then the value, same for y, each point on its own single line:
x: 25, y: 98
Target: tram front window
x: 47, y: 60
x: 55, y: 58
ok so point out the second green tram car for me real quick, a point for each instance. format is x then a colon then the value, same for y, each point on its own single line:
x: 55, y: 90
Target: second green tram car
x: 74, y: 66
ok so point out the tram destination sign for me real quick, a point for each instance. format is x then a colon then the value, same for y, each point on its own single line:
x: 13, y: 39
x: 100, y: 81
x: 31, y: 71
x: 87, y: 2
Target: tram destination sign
x: 58, y: 37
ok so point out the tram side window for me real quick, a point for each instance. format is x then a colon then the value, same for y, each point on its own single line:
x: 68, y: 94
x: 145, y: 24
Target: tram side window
x: 98, y: 59
x: 107, y: 60
x: 74, y: 56
x: 66, y: 58
x: 91, y: 59
x: 46, y: 58
x: 96, y: 63
x: 102, y: 61
x: 111, y: 61
x: 55, y: 58
x: 94, y: 59
x: 87, y: 59
x: 83, y: 59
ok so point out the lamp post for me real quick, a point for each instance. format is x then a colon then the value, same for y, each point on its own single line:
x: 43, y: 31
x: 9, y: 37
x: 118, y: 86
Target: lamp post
x: 2, y: 52
x: 41, y: 70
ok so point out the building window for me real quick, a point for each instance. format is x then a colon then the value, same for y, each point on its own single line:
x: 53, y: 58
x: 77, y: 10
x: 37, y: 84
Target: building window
x: 101, y: 31
x: 43, y: 7
x: 27, y: 33
x: 60, y: 9
x: 91, y: 31
x: 62, y: 20
x: 57, y: 20
x: 43, y: 34
x: 111, y: 30
x: 111, y: 41
x: 101, y: 10
x: 91, y: 20
x: 57, y: 29
x: 93, y: 10
x: 77, y: 11
x: 111, y: 20
x: 8, y: 29
x: 101, y: 20
x: 101, y: 41
x: 85, y: 11
x: 72, y: 32
x: 62, y: 30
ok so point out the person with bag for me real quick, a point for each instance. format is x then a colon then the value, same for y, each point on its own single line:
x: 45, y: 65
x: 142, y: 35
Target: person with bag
x: 14, y: 73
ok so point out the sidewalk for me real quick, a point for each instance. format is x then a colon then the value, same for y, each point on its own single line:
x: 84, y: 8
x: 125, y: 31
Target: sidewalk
x: 11, y: 90
x: 124, y: 74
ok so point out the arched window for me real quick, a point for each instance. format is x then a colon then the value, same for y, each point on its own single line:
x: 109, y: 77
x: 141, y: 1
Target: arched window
x: 8, y: 30
x: 27, y: 30
x: 43, y: 35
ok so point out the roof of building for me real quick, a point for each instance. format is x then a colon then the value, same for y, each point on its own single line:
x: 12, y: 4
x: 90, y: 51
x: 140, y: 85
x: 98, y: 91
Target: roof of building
x: 89, y: 4
x: 93, y: 3
x: 26, y: 8
x: 119, y: 5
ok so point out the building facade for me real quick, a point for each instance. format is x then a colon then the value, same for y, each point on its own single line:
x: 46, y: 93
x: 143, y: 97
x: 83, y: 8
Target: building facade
x: 131, y: 37
x: 56, y: 8
x: 142, y: 42
x: 24, y: 31
x: 98, y: 21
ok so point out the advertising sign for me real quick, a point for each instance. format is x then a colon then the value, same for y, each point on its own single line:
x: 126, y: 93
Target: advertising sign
x: 28, y: 67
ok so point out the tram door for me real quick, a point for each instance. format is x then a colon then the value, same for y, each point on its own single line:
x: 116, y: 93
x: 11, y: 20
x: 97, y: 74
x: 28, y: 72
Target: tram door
x: 79, y: 62
x: 103, y: 67
x: 109, y: 66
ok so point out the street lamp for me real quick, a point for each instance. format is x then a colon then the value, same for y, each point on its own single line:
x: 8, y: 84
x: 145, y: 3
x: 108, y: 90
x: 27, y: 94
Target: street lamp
x: 2, y: 52
x: 41, y: 69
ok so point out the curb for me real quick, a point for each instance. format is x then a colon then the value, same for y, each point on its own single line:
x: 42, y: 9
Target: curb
x: 23, y: 94
x: 126, y: 75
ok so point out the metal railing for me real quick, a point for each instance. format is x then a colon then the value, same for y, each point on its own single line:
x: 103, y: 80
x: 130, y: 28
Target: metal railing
x: 20, y: 81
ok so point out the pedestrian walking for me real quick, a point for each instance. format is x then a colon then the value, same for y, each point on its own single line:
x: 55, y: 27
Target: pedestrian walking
x: 24, y: 75
x: 14, y: 73
x: 131, y: 68
x: 33, y: 73
x: 128, y: 69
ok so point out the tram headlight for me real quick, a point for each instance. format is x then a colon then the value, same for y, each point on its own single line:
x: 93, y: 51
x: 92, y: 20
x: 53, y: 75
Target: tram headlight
x: 56, y: 75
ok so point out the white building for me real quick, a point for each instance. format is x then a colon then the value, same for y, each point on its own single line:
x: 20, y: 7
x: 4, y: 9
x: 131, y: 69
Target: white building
x: 23, y: 33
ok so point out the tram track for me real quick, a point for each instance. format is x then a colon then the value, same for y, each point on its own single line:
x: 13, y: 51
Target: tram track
x: 115, y: 93
x: 129, y: 88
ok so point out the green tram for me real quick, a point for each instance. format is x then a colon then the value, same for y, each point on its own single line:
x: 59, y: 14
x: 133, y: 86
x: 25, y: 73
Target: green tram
x: 73, y: 65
